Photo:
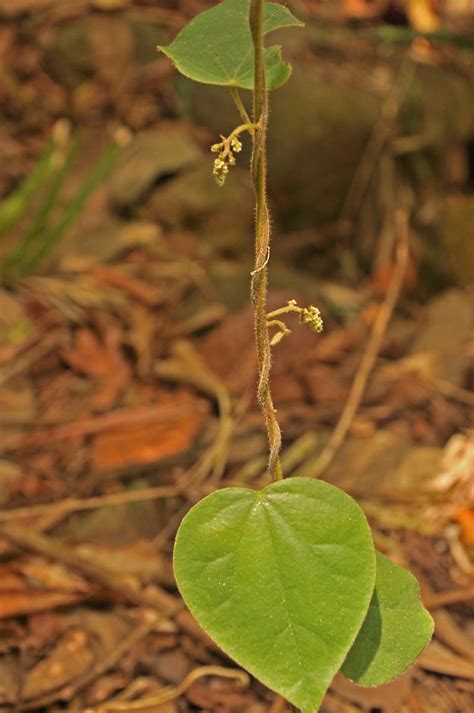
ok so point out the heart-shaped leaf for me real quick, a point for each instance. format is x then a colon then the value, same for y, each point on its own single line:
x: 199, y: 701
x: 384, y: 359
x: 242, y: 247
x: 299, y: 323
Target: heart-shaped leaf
x: 280, y: 578
x: 216, y: 47
x: 396, y: 629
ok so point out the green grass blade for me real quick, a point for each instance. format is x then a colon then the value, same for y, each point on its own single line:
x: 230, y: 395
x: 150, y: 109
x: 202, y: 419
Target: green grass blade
x: 32, y: 234
x: 13, y: 207
x: 54, y: 235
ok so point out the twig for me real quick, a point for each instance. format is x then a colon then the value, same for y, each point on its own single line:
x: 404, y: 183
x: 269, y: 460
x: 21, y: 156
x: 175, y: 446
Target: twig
x: 50, y: 548
x: 186, y: 366
x: 455, y: 596
x: 170, y: 528
x: 35, y: 352
x: 414, y: 703
x: 299, y: 450
x: 69, y: 505
x: 170, y: 694
x: 368, y: 359
x: 100, y: 666
x: 159, y: 413
x: 378, y: 138
x: 451, y: 391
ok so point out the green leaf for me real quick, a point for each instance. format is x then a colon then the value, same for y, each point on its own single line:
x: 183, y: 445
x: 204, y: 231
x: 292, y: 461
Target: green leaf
x: 216, y: 46
x: 280, y: 578
x: 395, y: 631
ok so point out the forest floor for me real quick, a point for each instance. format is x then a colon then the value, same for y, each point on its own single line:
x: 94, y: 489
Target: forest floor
x: 127, y: 392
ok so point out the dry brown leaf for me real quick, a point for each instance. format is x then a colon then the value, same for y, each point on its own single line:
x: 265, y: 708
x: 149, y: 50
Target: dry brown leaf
x: 12, y: 8
x: 10, y: 479
x: 188, y: 623
x: 71, y: 657
x: 363, y: 10
x: 453, y: 635
x: 101, y: 359
x: 219, y: 696
x: 164, y: 151
x: 10, y: 672
x: 172, y: 666
x: 449, y: 322
x: 387, y: 698
x: 139, y: 290
x: 112, y: 59
x: 142, y: 326
x: 465, y: 519
x: 438, y: 659
x: 383, y: 276
x: 109, y: 4
x: 52, y: 576
x: 149, y: 442
x: 457, y: 473
x: 17, y: 402
x: 422, y: 15
x: 235, y: 336
x: 324, y: 385
x: 29, y: 601
x: 139, y: 560
x: 29, y: 585
x: 334, y: 345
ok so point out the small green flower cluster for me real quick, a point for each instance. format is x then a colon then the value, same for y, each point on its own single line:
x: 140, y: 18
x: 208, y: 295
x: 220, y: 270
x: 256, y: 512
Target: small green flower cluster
x: 311, y: 316
x: 226, y: 150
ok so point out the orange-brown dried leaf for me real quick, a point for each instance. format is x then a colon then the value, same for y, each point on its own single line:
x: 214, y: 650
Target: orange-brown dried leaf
x: 137, y: 289
x: 221, y: 696
x: 52, y: 576
x: 100, y: 359
x: 139, y: 561
x: 423, y: 15
x: 363, y: 10
x: 383, y: 276
x: 439, y: 659
x: 388, y: 698
x: 71, y: 657
x: 30, y: 601
x: 465, y: 519
x: 30, y: 585
x: 149, y: 442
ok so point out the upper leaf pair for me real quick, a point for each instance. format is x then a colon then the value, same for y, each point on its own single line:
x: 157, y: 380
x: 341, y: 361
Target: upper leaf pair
x: 286, y: 580
x: 216, y: 47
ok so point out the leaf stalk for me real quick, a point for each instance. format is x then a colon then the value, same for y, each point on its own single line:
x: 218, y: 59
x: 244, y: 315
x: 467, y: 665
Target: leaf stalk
x: 237, y: 99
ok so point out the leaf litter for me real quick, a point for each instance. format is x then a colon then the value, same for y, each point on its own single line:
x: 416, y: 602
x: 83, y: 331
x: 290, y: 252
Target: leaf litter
x: 119, y: 409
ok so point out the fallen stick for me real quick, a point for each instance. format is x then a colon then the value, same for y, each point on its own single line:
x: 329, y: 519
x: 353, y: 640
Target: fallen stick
x: 317, y: 465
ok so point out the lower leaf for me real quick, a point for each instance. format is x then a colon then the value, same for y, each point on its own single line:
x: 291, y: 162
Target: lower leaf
x: 395, y: 631
x: 281, y: 579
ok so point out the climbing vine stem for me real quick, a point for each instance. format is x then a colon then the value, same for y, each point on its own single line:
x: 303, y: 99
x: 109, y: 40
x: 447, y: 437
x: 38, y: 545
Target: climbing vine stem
x: 262, y: 239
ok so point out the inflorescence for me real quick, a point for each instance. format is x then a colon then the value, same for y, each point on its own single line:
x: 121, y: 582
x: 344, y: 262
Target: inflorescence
x: 226, y: 149
x: 309, y: 316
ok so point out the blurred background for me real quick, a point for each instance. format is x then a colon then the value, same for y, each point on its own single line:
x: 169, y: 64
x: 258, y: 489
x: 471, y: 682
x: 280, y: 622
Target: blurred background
x: 127, y: 365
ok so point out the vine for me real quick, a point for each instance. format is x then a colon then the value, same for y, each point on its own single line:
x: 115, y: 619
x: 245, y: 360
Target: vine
x: 262, y: 241
x: 285, y: 579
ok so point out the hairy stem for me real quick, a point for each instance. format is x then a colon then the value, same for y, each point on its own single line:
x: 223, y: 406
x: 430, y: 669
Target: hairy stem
x: 262, y: 240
